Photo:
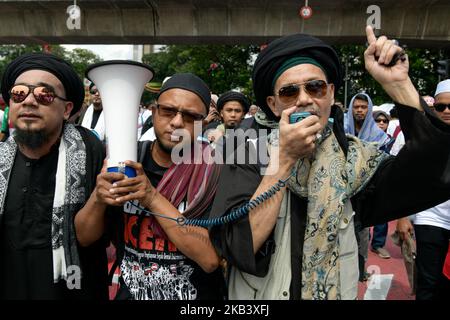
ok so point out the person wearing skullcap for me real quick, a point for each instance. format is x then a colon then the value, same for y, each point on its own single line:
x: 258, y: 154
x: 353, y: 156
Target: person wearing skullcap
x: 232, y: 106
x: 431, y: 227
x: 172, y: 181
x: 48, y: 172
x: 442, y: 100
x: 290, y: 212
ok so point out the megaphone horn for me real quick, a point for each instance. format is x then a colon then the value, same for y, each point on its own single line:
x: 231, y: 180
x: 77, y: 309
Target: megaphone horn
x: 120, y: 84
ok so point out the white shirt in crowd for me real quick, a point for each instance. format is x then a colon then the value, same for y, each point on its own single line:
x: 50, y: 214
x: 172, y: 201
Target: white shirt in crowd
x: 143, y: 116
x: 99, y: 127
x: 438, y: 216
x: 393, y: 124
x: 398, y: 144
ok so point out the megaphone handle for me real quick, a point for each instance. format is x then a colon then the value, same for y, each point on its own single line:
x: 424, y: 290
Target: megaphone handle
x: 122, y: 168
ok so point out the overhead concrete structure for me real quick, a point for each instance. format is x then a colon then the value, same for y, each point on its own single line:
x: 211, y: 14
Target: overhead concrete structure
x: 414, y: 22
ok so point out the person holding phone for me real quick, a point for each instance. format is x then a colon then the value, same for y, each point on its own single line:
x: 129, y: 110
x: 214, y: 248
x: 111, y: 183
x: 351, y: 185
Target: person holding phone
x: 300, y: 243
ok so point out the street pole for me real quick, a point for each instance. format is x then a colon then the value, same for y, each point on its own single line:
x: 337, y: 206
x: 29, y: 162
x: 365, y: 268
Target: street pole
x: 345, y: 83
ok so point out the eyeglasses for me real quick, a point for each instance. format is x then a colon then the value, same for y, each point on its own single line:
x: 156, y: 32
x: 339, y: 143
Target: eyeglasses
x: 314, y: 88
x: 171, y: 112
x: 43, y: 95
x: 441, y: 107
x: 381, y: 120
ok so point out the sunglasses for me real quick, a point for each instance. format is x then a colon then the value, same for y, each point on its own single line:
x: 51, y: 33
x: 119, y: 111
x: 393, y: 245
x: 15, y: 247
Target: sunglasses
x: 171, y: 112
x: 43, y: 94
x: 441, y: 107
x: 381, y: 120
x: 314, y: 88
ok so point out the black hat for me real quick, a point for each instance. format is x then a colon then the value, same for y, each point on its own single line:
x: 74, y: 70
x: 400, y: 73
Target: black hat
x: 48, y: 62
x: 277, y: 52
x: 190, y: 82
x: 233, y: 96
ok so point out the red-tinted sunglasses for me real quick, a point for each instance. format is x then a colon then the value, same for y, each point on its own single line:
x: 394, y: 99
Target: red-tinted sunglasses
x: 43, y: 95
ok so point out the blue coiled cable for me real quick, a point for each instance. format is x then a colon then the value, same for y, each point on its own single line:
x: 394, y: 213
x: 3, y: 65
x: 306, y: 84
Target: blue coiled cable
x: 235, y: 213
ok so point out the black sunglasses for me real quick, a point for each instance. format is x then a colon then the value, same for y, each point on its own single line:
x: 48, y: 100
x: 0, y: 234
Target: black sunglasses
x: 314, y: 88
x: 382, y: 120
x: 441, y: 107
x: 43, y: 94
x: 171, y: 112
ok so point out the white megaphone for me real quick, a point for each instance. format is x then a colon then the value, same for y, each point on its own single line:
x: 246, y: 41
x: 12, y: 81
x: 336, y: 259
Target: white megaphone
x: 120, y: 84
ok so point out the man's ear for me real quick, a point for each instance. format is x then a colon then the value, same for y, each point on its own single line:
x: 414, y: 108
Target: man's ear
x: 270, y: 100
x: 68, y: 110
x: 332, y: 93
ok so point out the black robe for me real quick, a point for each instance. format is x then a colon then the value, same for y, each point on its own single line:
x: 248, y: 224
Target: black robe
x: 25, y: 228
x: 417, y: 179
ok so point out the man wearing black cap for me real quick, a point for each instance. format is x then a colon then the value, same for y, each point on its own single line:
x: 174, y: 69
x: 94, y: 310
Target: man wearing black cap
x: 299, y: 243
x: 232, y: 107
x: 160, y: 260
x: 48, y: 170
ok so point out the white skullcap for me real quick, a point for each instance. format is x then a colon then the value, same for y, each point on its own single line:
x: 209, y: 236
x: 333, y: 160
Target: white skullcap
x: 443, y: 86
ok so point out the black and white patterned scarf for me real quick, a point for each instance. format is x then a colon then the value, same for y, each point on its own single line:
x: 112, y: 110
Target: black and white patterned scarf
x: 69, y: 198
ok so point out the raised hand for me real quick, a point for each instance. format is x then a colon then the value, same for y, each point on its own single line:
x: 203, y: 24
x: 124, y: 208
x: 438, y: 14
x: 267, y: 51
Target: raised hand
x: 394, y: 79
x: 379, y: 55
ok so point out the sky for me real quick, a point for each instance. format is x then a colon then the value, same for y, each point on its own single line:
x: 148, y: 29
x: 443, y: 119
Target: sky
x: 108, y: 52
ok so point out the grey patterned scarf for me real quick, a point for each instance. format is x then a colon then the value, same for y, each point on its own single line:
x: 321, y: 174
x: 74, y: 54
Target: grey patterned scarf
x: 328, y: 179
x: 69, y: 195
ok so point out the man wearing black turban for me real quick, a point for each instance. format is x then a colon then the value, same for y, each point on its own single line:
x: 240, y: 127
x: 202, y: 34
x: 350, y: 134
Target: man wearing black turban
x: 48, y: 170
x: 300, y: 242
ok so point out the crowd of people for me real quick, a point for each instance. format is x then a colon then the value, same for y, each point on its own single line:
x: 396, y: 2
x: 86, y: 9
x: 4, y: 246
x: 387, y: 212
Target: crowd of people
x: 286, y: 215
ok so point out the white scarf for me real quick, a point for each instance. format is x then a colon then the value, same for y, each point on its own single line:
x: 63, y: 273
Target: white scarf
x: 100, y: 125
x: 69, y: 195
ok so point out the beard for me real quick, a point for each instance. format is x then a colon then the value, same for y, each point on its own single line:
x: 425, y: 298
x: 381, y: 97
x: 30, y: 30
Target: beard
x: 98, y: 105
x: 32, y: 139
x: 163, y: 147
x: 359, y: 121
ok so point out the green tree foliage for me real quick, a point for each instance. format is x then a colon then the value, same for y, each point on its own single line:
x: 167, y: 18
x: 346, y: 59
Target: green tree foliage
x: 422, y: 70
x: 226, y: 67
x: 79, y: 58
x: 223, y: 67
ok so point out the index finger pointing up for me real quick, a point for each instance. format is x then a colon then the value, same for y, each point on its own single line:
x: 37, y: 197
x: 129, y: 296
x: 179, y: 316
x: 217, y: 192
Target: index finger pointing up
x: 370, y: 35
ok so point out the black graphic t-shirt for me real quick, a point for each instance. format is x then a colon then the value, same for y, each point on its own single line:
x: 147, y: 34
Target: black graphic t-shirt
x: 152, y: 267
